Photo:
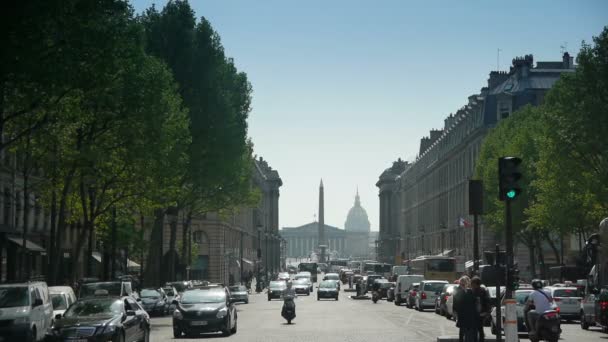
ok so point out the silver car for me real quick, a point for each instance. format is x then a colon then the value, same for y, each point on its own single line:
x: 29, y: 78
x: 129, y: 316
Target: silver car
x: 238, y: 293
x: 427, y: 293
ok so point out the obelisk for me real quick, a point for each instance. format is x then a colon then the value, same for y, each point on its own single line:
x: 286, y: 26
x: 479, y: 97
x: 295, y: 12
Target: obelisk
x: 322, y: 244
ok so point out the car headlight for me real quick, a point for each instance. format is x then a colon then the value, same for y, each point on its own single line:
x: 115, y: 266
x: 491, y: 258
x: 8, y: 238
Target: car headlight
x: 177, y: 314
x: 109, y: 329
x: 222, y: 313
x: 22, y: 320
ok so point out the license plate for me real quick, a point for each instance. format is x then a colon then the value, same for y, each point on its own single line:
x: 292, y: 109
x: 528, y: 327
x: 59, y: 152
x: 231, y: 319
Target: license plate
x: 198, y: 323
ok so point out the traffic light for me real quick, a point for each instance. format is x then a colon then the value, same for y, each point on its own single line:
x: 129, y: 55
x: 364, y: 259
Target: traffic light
x: 508, y: 177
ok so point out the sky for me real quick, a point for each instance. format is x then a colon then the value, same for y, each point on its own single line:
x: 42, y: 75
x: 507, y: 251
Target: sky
x: 342, y: 88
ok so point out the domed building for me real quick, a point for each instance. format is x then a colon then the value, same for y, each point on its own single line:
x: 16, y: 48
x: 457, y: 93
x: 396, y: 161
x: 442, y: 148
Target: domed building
x: 357, y: 229
x: 357, y: 220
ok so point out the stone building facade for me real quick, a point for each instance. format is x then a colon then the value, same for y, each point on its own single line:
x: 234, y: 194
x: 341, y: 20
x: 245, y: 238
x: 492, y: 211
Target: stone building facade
x: 431, y: 193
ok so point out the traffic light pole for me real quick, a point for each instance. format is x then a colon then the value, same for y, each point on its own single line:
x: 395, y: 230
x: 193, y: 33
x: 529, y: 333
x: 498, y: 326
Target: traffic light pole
x: 510, y: 323
x: 498, y: 299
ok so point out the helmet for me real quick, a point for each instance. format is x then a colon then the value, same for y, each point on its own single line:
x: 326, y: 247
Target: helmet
x: 537, y: 284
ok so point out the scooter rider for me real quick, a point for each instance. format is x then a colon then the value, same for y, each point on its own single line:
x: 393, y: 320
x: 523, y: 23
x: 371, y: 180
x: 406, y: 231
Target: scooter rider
x: 540, y: 300
x: 289, y: 295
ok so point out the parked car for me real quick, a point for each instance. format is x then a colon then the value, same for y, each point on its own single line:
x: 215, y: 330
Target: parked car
x: 429, y: 290
x: 102, y: 318
x: 521, y: 296
x: 568, y: 300
x: 155, y: 301
x: 275, y: 289
x: 410, y: 300
x: 593, y: 310
x: 238, y: 293
x: 302, y: 286
x: 441, y: 300
x: 28, y: 309
x: 61, y: 298
x: 403, y: 287
x: 205, y: 310
x: 328, y: 289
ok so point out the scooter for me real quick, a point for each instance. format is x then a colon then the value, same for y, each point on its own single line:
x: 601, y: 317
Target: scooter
x: 547, y: 327
x: 375, y: 296
x: 289, y: 309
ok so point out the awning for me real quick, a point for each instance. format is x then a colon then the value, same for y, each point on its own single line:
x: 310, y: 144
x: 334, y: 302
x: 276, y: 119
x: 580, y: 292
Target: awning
x: 130, y: 263
x: 247, y: 261
x: 97, y: 256
x: 28, y: 244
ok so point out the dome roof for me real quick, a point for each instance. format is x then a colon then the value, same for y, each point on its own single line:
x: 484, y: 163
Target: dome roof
x: 357, y: 220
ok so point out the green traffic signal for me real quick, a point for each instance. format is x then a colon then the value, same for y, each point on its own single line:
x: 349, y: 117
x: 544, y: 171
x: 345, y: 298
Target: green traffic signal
x: 511, y: 194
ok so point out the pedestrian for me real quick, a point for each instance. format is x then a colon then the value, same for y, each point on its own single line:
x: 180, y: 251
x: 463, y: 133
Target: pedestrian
x: 466, y: 311
x: 482, y: 298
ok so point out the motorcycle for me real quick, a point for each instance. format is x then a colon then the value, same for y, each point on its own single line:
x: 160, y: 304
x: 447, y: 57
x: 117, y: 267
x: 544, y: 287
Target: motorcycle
x: 547, y: 327
x: 375, y: 296
x: 289, y: 309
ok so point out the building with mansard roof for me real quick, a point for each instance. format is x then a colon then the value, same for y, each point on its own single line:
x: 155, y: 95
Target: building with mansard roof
x: 424, y: 209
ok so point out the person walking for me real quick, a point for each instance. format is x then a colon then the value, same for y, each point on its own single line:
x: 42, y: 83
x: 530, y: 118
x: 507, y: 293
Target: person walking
x: 482, y: 298
x: 465, y: 306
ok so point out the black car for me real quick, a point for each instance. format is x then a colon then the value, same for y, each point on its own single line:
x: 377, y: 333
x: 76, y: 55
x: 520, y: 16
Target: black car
x: 154, y: 301
x: 275, y: 289
x: 328, y: 289
x: 102, y: 318
x: 370, y: 281
x: 204, y: 310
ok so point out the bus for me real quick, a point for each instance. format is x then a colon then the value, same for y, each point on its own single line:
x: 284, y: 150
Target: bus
x: 337, y: 264
x: 434, y: 267
x: 355, y: 265
x: 309, y: 267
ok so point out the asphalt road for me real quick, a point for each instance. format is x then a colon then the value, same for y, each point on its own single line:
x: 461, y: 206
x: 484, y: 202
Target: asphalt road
x: 343, y: 320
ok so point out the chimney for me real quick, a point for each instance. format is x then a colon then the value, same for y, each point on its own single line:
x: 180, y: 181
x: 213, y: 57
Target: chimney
x: 424, y: 144
x: 522, y: 65
x: 435, y: 134
x: 567, y: 61
x: 497, y: 78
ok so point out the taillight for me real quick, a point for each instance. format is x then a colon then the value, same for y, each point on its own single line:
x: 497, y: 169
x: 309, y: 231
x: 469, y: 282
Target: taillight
x: 558, y: 309
x: 551, y: 315
x: 423, y: 295
x: 604, y: 305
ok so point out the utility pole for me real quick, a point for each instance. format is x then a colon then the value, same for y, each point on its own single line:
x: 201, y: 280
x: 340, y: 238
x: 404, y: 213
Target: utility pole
x: 475, y: 209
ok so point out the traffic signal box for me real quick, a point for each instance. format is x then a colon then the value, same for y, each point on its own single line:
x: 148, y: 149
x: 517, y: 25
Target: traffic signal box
x: 508, y: 178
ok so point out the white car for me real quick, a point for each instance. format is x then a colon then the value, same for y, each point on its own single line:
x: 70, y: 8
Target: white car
x: 521, y: 296
x: 28, y: 306
x: 61, y: 298
x: 568, y: 300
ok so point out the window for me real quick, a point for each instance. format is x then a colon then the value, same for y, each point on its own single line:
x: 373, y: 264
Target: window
x: 7, y: 206
x: 504, y: 110
x: 199, y: 237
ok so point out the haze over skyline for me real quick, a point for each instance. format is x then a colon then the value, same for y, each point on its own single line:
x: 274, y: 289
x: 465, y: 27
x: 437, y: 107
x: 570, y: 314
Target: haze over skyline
x: 343, y: 88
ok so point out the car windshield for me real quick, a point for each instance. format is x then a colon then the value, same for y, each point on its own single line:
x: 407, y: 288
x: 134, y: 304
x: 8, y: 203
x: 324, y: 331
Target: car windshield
x: 327, y: 285
x: 238, y: 288
x: 95, y: 307
x: 149, y: 293
x: 13, y: 297
x: 566, y: 293
x: 277, y: 285
x: 433, y: 287
x: 204, y: 296
x: 58, y: 301
x: 521, y: 296
x: 88, y: 290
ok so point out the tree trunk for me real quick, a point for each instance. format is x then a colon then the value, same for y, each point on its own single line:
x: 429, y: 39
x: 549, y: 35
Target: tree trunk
x: 172, y: 213
x: 153, y: 270
x: 532, y: 250
x: 554, y: 248
x: 541, y: 257
x: 26, y: 206
x: 141, y: 259
x: 52, y: 243
x: 113, y: 247
x: 185, y: 233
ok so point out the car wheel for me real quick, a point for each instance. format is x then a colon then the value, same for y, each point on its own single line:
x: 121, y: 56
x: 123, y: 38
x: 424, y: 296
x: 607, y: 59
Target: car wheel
x: 318, y: 298
x: 584, y: 323
x: 247, y: 301
x: 233, y: 330
x: 336, y: 297
x: 436, y: 309
x: 120, y: 337
x: 226, y: 332
x: 177, y: 333
x: 146, y: 337
x: 269, y: 299
x: 31, y: 335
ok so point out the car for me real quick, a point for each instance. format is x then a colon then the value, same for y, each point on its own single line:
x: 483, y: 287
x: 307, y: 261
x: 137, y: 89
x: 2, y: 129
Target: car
x: 61, y: 298
x: 428, y: 291
x: 154, y: 301
x: 593, y: 308
x: 305, y: 275
x: 27, y: 309
x: 301, y: 286
x: 180, y: 286
x: 238, y: 294
x: 284, y: 276
x: 172, y: 295
x: 492, y: 294
x: 275, y: 289
x: 385, y: 286
x: 328, y: 289
x: 441, y: 300
x: 102, y: 318
x: 568, y: 300
x: 370, y: 281
x: 204, y: 310
x: 114, y: 288
x: 403, y: 286
x: 333, y: 276
x: 521, y: 296
x: 410, y: 300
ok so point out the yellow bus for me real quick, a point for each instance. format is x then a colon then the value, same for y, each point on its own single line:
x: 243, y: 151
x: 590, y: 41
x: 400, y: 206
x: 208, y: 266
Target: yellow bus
x: 434, y: 267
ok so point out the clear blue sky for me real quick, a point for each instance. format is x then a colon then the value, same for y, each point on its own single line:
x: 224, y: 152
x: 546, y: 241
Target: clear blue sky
x: 343, y: 88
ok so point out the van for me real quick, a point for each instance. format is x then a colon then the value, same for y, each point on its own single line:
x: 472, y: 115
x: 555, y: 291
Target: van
x: 397, y: 271
x: 403, y: 284
x: 61, y: 298
x: 26, y: 312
